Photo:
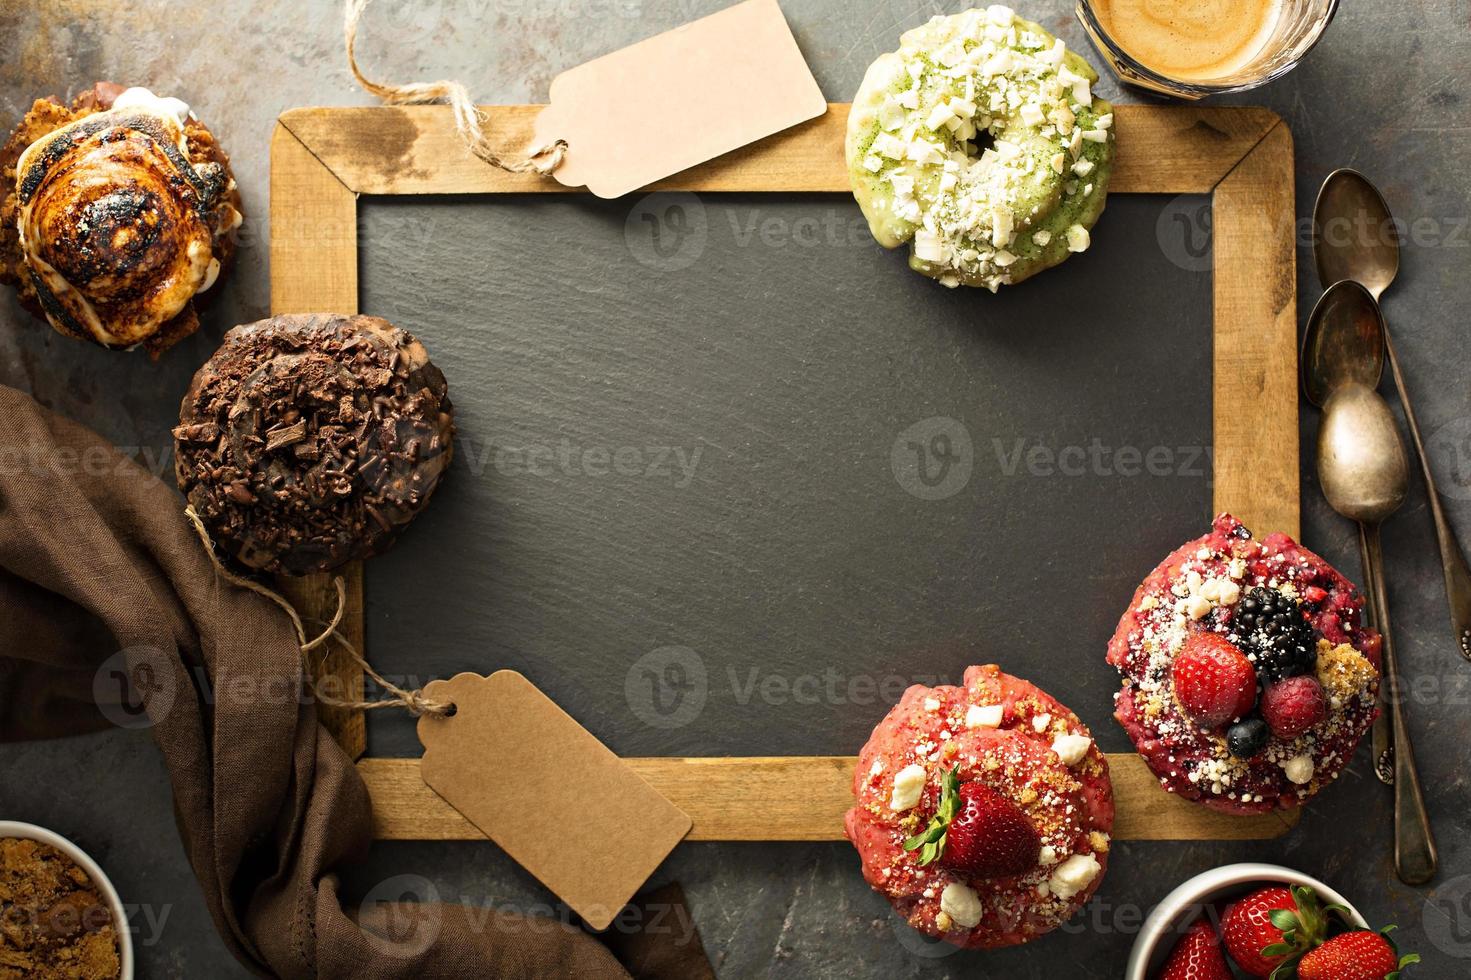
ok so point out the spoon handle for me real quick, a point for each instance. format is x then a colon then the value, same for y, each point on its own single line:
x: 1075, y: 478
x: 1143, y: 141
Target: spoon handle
x: 1452, y: 558
x: 1415, y: 857
x: 1383, y: 732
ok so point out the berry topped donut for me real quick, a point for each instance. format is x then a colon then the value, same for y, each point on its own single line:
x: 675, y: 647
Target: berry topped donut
x: 980, y: 141
x: 1248, y: 677
x: 983, y: 811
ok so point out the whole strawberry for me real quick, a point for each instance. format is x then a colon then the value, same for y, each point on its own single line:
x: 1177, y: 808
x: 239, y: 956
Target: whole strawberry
x: 1272, y: 927
x: 1355, y: 956
x: 1198, y: 956
x: 1292, y: 706
x: 977, y: 832
x: 1213, y: 680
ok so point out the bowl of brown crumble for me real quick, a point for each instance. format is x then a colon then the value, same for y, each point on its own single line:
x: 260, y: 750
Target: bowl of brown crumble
x: 60, y: 916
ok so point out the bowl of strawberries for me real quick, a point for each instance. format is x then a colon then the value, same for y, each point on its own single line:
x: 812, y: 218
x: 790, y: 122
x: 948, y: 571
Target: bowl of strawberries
x: 1261, y: 920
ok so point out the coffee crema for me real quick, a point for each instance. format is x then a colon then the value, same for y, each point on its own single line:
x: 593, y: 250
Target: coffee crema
x: 1190, y: 40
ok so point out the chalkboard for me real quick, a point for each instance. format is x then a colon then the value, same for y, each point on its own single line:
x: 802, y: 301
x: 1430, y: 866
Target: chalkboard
x: 729, y: 475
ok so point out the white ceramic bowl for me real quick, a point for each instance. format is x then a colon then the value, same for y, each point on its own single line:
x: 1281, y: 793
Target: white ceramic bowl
x: 1219, y: 887
x: 11, y: 828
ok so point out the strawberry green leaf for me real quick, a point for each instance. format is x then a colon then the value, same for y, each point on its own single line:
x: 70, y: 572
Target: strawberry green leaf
x: 1283, y: 919
x: 931, y: 841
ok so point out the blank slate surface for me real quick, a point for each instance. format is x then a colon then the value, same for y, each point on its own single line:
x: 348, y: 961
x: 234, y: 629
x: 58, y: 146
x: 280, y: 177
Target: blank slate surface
x: 729, y: 476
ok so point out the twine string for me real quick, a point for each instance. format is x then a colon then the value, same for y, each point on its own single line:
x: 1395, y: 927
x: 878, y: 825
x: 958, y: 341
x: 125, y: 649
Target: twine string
x: 469, y: 119
x: 413, y: 700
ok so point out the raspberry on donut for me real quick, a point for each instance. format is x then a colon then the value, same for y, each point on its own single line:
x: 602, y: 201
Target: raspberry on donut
x: 1225, y: 612
x: 980, y: 142
x: 982, y: 812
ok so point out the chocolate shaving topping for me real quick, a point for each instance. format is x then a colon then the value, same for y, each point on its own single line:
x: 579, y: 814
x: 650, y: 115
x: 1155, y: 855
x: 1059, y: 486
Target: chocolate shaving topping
x: 309, y: 441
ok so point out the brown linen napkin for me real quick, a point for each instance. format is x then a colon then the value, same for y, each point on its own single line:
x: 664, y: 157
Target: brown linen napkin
x: 96, y: 558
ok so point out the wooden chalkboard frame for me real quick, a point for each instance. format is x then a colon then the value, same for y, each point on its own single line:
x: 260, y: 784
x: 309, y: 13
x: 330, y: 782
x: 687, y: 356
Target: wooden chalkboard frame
x: 322, y: 159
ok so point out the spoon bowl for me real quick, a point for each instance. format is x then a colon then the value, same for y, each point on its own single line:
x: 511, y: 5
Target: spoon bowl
x: 1344, y: 342
x: 1354, y: 236
x: 1362, y: 462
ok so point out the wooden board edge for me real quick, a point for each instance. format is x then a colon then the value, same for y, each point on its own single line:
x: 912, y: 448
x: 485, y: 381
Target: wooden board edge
x: 314, y: 268
x: 415, y: 150
x: 1256, y: 461
x: 322, y: 237
x: 795, y: 798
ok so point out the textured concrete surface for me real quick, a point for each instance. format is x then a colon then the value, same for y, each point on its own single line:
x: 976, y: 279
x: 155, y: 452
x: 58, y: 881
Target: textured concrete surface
x: 1382, y: 94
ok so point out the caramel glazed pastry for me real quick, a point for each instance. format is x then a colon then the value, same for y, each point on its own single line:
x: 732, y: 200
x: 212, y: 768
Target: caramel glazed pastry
x: 311, y: 440
x: 117, y: 211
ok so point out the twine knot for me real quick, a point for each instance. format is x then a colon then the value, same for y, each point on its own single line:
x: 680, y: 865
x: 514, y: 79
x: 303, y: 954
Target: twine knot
x: 413, y: 701
x: 469, y: 119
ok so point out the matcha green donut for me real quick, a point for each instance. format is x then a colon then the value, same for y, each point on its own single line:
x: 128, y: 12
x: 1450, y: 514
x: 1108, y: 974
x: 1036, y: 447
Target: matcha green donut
x: 977, y: 216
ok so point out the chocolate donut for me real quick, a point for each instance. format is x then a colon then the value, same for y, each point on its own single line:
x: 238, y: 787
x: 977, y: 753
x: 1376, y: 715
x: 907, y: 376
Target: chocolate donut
x: 117, y: 213
x: 311, y: 440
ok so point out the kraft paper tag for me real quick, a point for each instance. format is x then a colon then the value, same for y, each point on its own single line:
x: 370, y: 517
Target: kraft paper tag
x: 648, y: 111
x: 547, y: 791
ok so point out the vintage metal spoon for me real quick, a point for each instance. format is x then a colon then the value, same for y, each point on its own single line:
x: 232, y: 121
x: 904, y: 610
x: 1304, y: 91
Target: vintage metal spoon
x: 1364, y: 472
x: 1343, y: 344
x: 1354, y: 237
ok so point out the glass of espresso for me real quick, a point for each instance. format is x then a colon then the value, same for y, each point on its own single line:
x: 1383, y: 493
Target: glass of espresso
x: 1195, y: 48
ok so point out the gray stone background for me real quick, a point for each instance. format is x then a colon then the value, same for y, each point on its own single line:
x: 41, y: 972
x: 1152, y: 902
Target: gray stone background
x: 1382, y: 93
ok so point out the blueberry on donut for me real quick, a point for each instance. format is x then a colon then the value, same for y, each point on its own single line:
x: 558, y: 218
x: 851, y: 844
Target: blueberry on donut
x: 980, y: 142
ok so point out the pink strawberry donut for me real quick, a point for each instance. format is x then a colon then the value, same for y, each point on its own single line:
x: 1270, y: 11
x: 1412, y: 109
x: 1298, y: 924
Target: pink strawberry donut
x: 1248, y: 677
x: 982, y: 812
